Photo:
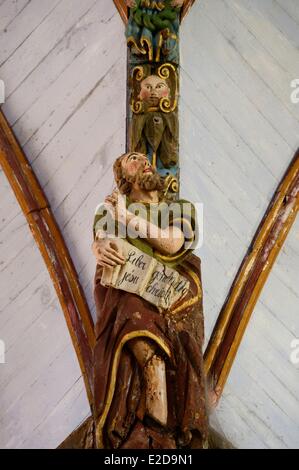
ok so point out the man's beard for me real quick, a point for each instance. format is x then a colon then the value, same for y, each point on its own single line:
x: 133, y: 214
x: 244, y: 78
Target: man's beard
x: 146, y: 181
x: 153, y: 101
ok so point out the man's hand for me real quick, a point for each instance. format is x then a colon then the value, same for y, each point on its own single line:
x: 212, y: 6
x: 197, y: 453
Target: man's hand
x: 107, y: 253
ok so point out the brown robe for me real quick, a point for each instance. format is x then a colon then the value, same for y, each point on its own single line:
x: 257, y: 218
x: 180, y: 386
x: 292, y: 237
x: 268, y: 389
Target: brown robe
x: 179, y: 336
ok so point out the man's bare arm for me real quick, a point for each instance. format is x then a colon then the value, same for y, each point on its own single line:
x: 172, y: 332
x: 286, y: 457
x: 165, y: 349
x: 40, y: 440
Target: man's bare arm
x: 167, y: 241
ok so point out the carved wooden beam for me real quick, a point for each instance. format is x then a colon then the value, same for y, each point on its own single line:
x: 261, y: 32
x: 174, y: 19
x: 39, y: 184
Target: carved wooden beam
x: 48, y: 237
x: 123, y: 11
x: 252, y: 276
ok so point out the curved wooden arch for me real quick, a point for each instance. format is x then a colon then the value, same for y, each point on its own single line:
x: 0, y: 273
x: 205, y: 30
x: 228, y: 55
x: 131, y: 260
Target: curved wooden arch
x: 186, y: 7
x: 252, y: 276
x: 48, y: 237
x: 122, y: 9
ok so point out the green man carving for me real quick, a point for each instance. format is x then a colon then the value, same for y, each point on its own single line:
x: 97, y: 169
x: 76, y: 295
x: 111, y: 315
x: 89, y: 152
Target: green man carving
x: 155, y: 131
x: 153, y: 28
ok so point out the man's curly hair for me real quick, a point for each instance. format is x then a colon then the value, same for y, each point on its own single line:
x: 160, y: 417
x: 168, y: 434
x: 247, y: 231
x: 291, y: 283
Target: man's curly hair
x: 123, y: 185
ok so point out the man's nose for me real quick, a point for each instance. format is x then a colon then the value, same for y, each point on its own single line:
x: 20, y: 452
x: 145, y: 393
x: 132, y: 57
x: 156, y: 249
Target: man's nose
x: 147, y: 163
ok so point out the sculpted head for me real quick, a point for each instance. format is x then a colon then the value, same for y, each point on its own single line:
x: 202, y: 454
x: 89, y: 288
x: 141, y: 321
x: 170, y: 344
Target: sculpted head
x: 153, y: 89
x: 134, y: 168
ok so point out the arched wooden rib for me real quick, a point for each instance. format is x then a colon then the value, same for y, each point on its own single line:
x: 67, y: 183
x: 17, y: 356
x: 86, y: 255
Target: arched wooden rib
x: 251, y: 277
x: 122, y: 9
x: 186, y: 8
x: 36, y: 209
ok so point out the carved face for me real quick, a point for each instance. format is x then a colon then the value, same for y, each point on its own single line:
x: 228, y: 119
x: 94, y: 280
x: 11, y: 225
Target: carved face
x: 153, y: 88
x: 138, y: 170
x: 135, y: 163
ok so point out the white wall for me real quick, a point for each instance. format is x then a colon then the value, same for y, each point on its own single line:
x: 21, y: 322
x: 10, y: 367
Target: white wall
x: 63, y: 63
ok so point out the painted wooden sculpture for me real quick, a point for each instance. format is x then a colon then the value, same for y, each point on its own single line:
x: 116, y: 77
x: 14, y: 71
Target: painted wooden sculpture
x: 149, y: 377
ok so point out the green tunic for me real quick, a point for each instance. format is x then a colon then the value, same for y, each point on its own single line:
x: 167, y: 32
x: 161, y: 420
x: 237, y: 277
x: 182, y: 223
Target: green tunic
x: 181, y: 214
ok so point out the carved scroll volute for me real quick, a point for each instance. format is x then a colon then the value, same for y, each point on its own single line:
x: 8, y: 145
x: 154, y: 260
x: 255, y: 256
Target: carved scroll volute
x: 171, y: 185
x: 169, y: 72
x: 138, y: 74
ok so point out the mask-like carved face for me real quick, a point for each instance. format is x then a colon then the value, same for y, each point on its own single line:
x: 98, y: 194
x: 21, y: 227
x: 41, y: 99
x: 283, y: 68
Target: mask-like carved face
x: 153, y: 88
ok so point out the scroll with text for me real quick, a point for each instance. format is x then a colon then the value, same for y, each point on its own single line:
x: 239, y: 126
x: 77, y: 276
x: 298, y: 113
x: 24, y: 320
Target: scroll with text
x: 143, y: 275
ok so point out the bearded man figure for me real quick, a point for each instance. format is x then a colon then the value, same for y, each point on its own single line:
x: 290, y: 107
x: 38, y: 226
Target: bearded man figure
x: 149, y: 386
